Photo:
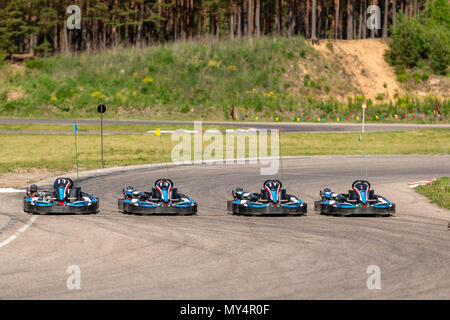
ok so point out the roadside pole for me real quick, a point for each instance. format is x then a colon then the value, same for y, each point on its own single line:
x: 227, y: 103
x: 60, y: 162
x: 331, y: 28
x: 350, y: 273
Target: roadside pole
x: 101, y: 109
x: 364, y: 106
x: 75, y: 129
x: 279, y: 154
x: 363, y: 116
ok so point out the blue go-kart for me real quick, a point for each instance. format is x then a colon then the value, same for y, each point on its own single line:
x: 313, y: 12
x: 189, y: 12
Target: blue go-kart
x: 163, y: 199
x: 359, y: 201
x: 271, y: 201
x: 63, y: 199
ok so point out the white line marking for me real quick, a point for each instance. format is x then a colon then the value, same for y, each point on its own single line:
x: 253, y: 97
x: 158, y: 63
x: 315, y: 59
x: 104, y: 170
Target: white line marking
x: 10, y: 190
x: 18, y: 232
x: 207, y: 131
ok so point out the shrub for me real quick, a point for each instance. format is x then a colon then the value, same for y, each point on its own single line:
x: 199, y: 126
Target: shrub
x: 416, y: 77
x: 34, y: 64
x: 403, y: 77
x: 439, y: 51
x: 2, y: 56
x: 425, y: 77
x: 408, y: 44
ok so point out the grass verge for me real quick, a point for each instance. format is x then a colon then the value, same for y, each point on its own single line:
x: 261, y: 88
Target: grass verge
x: 437, y: 191
x: 56, y: 152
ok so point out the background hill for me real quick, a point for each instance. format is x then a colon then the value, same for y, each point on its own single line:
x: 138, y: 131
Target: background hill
x: 260, y: 77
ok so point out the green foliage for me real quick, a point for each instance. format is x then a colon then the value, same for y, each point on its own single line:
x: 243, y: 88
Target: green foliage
x: 34, y: 64
x: 380, y: 96
x: 439, y: 51
x: 439, y: 11
x: 424, y: 77
x: 408, y: 43
x: 422, y: 39
x: 437, y: 191
x: 14, y: 28
x: 402, y: 74
x: 2, y: 56
x: 416, y: 77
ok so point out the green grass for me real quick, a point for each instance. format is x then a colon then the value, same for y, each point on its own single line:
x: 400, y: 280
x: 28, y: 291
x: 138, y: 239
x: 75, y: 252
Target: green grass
x: 437, y: 191
x: 192, y: 80
x: 56, y: 152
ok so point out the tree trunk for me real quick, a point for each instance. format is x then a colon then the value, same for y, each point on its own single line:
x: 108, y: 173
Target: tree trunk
x: 349, y: 19
x: 258, y: 18
x: 277, y: 17
x: 239, y: 20
x: 307, y: 19
x: 364, y: 19
x: 385, y: 24
x: 313, y: 20
x: 360, y: 27
x: 232, y: 12
x: 250, y: 18
x: 336, y: 18
x: 373, y: 30
x: 394, y: 12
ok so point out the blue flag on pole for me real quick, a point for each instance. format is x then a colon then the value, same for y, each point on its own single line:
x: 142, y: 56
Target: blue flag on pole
x: 75, y: 128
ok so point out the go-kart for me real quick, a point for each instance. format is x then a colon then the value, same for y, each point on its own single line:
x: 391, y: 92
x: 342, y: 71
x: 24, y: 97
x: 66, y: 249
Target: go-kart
x: 272, y: 200
x: 63, y: 199
x: 360, y: 200
x: 163, y: 199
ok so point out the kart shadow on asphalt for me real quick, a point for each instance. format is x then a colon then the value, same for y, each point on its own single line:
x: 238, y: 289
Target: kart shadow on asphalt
x: 157, y: 214
x: 357, y: 215
x: 62, y: 214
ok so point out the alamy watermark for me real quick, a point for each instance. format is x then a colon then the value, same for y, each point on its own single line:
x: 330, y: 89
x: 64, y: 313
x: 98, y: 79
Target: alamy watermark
x: 74, y: 20
x: 228, y: 147
x: 74, y: 280
x: 374, y: 20
x: 374, y: 280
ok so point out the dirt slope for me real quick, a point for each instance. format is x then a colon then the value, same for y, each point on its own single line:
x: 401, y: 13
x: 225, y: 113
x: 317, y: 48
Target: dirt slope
x: 364, y: 61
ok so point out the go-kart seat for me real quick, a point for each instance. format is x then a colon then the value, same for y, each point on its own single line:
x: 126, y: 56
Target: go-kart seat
x: 62, y: 188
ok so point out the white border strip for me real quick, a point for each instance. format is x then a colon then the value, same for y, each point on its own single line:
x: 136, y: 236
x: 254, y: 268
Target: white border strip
x: 18, y: 232
x: 10, y: 190
x: 420, y: 183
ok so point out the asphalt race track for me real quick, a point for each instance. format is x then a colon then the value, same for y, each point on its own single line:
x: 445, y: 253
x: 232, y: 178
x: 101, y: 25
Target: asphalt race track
x: 218, y: 256
x: 284, y: 126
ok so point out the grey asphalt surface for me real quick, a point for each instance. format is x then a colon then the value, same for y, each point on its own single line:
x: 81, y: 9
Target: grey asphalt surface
x: 218, y: 256
x: 284, y: 127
